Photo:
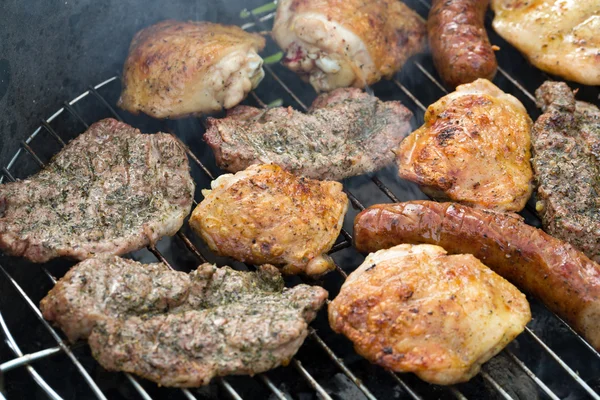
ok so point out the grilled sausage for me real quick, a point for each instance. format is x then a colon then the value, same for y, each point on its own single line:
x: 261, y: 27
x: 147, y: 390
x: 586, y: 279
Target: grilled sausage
x: 459, y: 43
x: 562, y: 277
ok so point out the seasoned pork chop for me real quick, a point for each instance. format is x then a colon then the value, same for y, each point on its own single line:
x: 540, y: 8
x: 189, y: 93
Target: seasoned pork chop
x: 417, y: 309
x: 111, y: 190
x: 566, y: 144
x: 178, y: 329
x: 175, y: 69
x: 265, y: 215
x: 346, y: 132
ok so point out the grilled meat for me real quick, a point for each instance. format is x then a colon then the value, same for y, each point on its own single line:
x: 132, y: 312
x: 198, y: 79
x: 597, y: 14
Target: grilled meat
x: 178, y: 329
x: 557, y: 36
x: 459, y: 44
x: 334, y: 43
x: 175, y: 69
x: 111, y: 190
x: 267, y: 215
x: 563, y: 278
x: 346, y: 132
x: 417, y: 309
x: 109, y: 287
x: 473, y: 149
x: 566, y: 143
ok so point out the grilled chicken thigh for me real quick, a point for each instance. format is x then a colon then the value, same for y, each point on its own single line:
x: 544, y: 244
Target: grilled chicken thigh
x: 473, y: 148
x: 560, y: 37
x: 181, y: 329
x: 341, y: 43
x: 346, y: 132
x: 175, y: 69
x: 267, y: 215
x: 417, y: 309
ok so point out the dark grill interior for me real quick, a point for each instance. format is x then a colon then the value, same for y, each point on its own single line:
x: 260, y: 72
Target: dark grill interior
x: 549, y: 360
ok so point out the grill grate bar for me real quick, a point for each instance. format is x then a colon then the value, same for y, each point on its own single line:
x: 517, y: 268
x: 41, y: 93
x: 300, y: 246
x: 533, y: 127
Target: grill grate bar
x: 533, y: 376
x: 193, y: 157
x: 517, y: 84
x: 188, y: 395
x: 8, y: 175
x: 341, y: 365
x: 56, y: 337
x: 581, y: 339
x: 29, y: 150
x: 47, y: 126
x: 406, y: 388
x: 105, y: 103
x: 318, y: 388
x: 409, y: 94
x: 285, y: 87
x: 496, y: 386
x: 34, y: 374
x: 355, y: 203
x: 385, y: 190
x: 340, y: 246
x: 431, y: 78
x: 564, y: 366
x: 456, y: 393
x: 26, y: 359
x: 278, y: 393
x: 234, y: 395
x: 74, y: 113
x: 142, y: 392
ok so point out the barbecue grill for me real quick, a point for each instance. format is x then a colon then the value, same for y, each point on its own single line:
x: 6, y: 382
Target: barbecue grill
x: 549, y: 360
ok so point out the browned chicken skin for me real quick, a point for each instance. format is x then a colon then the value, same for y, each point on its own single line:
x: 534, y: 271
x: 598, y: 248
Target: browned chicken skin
x: 474, y: 148
x: 267, y: 215
x: 175, y: 69
x: 562, y: 277
x: 341, y: 43
x: 417, y: 309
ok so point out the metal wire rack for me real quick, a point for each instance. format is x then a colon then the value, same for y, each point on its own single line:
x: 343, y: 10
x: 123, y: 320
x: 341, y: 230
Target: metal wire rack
x: 489, y: 384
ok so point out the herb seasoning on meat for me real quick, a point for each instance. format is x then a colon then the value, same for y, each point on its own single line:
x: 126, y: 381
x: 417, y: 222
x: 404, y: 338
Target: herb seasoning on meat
x: 111, y: 190
x: 181, y: 329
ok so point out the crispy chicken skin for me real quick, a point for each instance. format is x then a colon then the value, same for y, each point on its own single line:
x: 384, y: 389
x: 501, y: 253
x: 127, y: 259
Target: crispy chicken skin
x: 417, y: 309
x: 557, y: 36
x: 341, y: 43
x: 267, y: 215
x: 554, y: 271
x: 474, y: 148
x: 175, y: 69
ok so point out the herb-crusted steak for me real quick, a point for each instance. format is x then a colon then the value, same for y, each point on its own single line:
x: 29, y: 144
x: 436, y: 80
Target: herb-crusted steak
x: 111, y: 190
x: 345, y: 133
x: 178, y: 329
x: 566, y: 143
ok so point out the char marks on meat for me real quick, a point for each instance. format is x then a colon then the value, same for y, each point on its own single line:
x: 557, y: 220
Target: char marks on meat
x: 345, y: 133
x: 566, y: 143
x: 111, y: 190
x: 178, y: 329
